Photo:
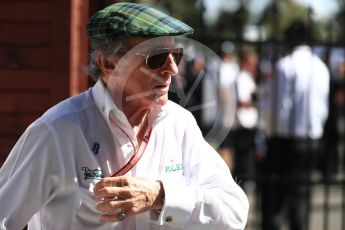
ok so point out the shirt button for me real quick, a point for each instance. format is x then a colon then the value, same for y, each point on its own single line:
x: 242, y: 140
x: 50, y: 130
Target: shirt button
x: 168, y: 219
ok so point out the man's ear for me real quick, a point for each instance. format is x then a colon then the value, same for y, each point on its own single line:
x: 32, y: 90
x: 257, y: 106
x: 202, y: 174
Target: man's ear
x: 106, y: 65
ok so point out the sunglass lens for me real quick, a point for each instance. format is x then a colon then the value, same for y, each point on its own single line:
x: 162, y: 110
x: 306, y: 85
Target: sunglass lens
x: 155, y: 61
x: 158, y: 58
x: 178, y: 56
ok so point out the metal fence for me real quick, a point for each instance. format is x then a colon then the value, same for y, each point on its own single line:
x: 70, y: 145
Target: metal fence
x: 327, y: 207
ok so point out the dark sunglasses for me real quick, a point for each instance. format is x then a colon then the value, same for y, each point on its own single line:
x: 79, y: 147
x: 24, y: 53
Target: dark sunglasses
x: 158, y: 57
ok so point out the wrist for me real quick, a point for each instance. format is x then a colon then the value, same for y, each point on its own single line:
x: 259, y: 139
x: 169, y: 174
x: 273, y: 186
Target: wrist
x: 160, y: 199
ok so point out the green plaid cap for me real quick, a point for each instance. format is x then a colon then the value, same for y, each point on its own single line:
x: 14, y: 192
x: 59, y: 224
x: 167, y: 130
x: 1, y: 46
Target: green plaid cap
x: 122, y: 20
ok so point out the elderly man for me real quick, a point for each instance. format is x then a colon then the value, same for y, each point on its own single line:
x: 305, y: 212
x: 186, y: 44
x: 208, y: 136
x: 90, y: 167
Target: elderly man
x: 120, y: 155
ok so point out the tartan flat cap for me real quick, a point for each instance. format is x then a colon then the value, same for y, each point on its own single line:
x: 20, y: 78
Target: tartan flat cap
x: 122, y: 20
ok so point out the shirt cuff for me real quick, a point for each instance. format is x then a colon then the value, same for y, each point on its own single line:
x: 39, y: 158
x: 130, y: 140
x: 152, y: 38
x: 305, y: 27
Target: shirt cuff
x: 178, y: 205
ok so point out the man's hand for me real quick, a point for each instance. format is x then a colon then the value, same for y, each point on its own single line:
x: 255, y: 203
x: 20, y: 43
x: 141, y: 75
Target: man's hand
x: 127, y: 195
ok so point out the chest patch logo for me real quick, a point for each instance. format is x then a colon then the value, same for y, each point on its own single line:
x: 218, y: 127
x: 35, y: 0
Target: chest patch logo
x: 92, y: 173
x: 95, y: 148
x: 173, y: 167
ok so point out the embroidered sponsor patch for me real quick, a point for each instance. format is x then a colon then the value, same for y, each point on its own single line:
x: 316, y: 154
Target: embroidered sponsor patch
x: 92, y: 173
x: 173, y: 167
x: 95, y: 148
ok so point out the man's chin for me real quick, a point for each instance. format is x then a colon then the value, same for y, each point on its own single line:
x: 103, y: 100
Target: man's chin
x: 153, y: 102
x: 162, y: 100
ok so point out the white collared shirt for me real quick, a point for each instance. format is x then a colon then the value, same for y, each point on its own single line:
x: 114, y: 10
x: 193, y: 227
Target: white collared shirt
x: 301, y: 98
x: 47, y: 178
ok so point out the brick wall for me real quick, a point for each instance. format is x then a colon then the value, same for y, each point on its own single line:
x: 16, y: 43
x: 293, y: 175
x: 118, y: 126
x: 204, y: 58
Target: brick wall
x: 39, y: 66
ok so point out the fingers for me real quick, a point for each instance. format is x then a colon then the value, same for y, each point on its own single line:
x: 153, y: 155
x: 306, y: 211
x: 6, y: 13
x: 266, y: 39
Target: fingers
x: 113, y: 209
x: 114, y: 218
x: 107, y: 205
x: 123, y: 196
x: 115, y: 215
x: 109, y: 192
x: 116, y: 193
x: 111, y: 187
x: 113, y: 206
x: 117, y: 210
x: 120, y: 181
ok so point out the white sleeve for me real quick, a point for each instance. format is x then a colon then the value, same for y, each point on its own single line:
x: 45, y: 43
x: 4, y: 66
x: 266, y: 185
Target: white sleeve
x: 227, y: 75
x: 245, y: 87
x: 211, y: 199
x: 29, y: 178
x: 282, y: 96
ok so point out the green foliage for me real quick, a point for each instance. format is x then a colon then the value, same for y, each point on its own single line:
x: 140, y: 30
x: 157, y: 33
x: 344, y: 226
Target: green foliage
x: 273, y: 20
x: 339, y: 23
x: 277, y: 16
x: 232, y: 24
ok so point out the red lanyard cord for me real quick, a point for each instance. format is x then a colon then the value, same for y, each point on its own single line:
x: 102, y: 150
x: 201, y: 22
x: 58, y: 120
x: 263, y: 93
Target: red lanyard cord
x: 137, y: 153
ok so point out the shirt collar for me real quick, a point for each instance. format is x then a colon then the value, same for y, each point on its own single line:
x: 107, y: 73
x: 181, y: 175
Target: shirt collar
x: 108, y: 108
x: 106, y: 105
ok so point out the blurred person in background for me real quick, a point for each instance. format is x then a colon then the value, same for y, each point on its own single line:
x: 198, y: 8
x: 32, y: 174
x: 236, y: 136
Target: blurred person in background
x: 334, y: 161
x: 222, y: 73
x: 300, y: 109
x: 246, y: 117
x: 228, y: 71
x: 193, y: 76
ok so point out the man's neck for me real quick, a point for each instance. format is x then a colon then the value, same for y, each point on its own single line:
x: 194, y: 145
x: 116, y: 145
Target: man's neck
x: 136, y: 112
x: 137, y: 117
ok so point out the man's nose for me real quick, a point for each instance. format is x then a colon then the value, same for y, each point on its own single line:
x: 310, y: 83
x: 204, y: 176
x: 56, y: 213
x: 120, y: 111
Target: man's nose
x: 170, y: 66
